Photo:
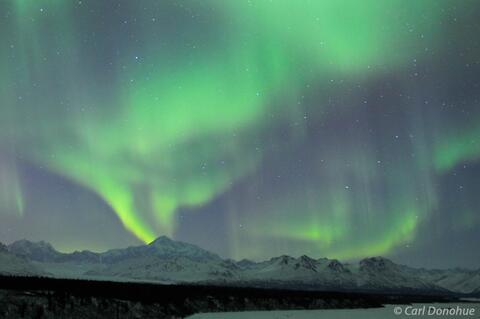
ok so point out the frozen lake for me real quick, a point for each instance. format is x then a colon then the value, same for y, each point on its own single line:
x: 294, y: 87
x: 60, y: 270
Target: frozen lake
x: 381, y: 313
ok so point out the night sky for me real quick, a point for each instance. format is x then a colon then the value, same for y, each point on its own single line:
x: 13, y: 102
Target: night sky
x: 338, y: 129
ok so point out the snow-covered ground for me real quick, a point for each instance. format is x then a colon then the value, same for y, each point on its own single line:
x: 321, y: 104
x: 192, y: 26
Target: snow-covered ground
x: 375, y: 313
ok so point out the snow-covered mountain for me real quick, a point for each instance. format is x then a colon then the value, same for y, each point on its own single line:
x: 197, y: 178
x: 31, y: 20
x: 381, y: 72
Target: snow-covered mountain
x: 458, y: 280
x: 163, y: 248
x: 11, y: 264
x: 40, y: 251
x: 44, y: 252
x: 301, y: 272
x: 166, y: 260
x: 379, y: 273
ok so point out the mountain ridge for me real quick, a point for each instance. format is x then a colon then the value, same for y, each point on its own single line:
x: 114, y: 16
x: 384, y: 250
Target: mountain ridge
x: 169, y: 261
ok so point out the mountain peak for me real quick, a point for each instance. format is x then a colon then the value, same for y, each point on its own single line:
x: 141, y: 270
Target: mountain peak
x: 306, y: 262
x: 246, y: 263
x: 335, y: 265
x: 165, y: 246
x: 283, y: 259
x: 161, y: 240
x: 376, y: 263
x: 377, y: 259
x: 306, y: 258
x: 37, y: 251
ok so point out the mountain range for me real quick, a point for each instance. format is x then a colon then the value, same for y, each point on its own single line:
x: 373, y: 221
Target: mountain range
x: 167, y: 261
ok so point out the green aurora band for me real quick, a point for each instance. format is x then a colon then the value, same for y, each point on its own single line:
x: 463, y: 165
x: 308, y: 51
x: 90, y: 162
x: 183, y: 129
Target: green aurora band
x: 149, y: 141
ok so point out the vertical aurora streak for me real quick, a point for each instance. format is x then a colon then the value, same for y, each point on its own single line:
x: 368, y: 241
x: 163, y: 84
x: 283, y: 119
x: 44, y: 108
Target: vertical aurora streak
x: 325, y: 127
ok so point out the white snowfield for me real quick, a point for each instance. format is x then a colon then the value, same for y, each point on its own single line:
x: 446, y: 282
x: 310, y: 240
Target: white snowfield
x: 387, y: 312
x: 168, y: 261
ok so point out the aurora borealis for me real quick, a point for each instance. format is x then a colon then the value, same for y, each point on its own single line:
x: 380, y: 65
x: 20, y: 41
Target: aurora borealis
x: 338, y: 129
